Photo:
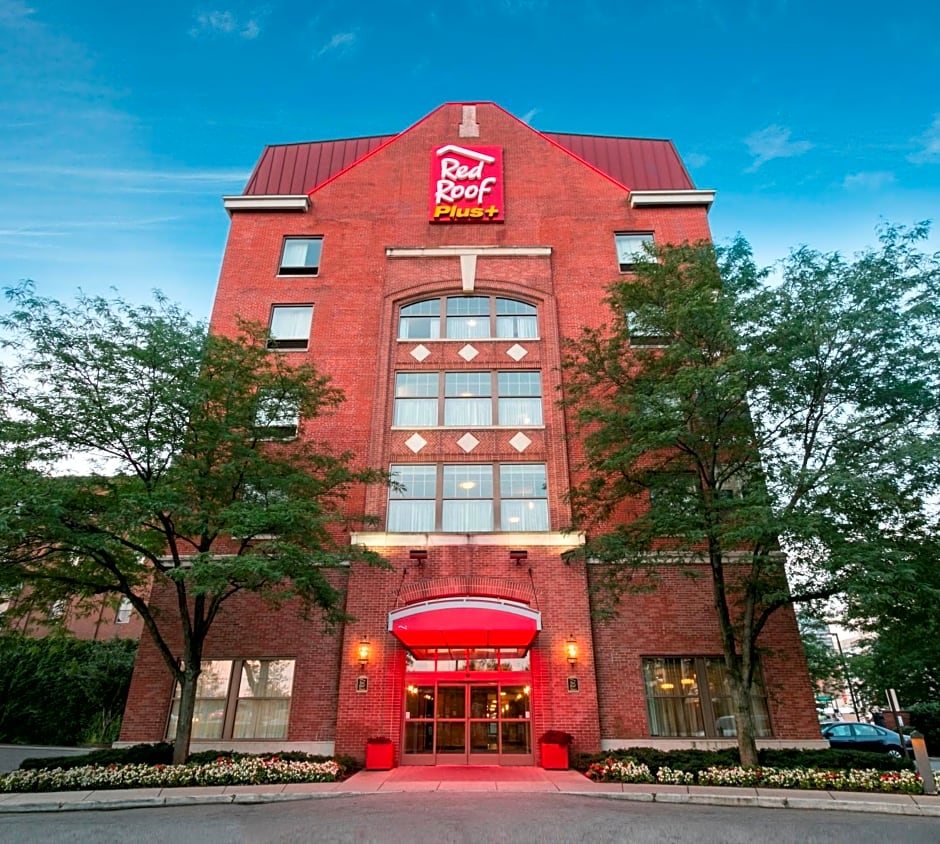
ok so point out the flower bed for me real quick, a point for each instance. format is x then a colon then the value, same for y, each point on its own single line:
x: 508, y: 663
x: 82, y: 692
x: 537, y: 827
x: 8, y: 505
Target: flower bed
x: 630, y: 771
x: 250, y: 770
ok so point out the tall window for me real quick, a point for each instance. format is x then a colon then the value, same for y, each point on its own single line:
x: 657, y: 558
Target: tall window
x: 468, y: 498
x: 470, y: 399
x: 123, y: 615
x: 301, y: 256
x: 239, y: 699
x: 290, y: 326
x: 631, y: 249
x: 691, y: 696
x: 468, y: 318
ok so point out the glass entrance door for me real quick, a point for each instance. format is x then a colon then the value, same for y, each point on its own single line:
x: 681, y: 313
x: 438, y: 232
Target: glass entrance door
x: 476, y: 723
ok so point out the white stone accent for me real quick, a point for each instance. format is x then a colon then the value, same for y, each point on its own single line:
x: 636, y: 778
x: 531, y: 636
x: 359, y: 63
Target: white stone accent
x: 468, y: 353
x: 643, y: 198
x: 520, y: 442
x: 286, y: 202
x: 468, y: 442
x: 469, y: 128
x: 416, y: 442
x: 468, y: 272
x: 419, y: 353
x: 517, y: 352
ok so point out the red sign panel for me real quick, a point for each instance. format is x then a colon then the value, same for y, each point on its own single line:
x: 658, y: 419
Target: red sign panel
x: 466, y: 185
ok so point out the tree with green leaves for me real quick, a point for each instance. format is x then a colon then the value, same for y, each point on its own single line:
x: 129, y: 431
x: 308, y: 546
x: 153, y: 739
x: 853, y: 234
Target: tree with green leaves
x: 138, y: 450
x: 758, y: 426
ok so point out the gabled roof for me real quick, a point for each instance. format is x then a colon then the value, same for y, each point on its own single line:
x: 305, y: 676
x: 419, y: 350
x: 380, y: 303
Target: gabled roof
x: 639, y: 164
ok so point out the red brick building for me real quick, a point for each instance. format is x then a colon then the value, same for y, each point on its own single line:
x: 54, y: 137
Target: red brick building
x: 433, y: 274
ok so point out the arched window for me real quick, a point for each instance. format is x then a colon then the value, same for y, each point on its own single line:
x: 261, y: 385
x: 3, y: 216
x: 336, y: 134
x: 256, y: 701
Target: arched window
x: 468, y: 318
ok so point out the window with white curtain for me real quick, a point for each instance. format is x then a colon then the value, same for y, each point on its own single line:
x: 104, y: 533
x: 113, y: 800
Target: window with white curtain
x: 470, y: 399
x: 301, y: 256
x: 468, y: 498
x: 239, y: 699
x: 276, y: 417
x: 468, y: 318
x: 123, y: 614
x: 631, y: 249
x: 290, y: 326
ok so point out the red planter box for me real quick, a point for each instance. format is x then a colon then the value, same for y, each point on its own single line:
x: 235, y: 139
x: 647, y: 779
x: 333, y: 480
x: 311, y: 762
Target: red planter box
x: 380, y: 757
x: 555, y: 756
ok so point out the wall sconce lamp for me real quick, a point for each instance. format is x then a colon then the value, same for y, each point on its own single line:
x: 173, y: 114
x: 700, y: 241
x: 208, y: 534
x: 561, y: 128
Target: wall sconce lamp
x: 363, y: 652
x: 518, y: 557
x: 418, y: 555
x: 571, y: 651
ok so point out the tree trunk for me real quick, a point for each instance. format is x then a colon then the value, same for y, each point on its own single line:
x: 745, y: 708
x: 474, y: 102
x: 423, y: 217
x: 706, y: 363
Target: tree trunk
x: 184, y: 720
x: 744, y: 721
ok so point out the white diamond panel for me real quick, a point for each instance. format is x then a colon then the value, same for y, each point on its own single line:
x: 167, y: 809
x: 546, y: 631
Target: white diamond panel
x: 468, y: 442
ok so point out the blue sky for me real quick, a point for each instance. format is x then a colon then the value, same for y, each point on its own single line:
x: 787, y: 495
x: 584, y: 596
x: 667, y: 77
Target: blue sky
x: 122, y: 124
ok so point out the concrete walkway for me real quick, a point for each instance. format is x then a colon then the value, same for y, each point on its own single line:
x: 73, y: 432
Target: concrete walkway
x: 473, y: 779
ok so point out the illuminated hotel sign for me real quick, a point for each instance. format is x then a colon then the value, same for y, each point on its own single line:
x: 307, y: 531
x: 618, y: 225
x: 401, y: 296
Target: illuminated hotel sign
x: 466, y: 185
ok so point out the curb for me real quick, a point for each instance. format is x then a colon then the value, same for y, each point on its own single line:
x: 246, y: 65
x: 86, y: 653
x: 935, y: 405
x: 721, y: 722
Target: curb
x: 912, y: 809
x: 797, y: 802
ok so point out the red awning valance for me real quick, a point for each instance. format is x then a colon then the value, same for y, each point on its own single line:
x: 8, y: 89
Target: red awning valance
x: 465, y: 623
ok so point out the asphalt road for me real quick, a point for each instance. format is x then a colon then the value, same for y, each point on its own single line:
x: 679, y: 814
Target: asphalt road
x: 12, y: 754
x: 490, y: 818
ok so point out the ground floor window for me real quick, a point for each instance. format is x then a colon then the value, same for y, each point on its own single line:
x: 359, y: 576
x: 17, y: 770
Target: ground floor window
x: 691, y: 696
x: 239, y: 699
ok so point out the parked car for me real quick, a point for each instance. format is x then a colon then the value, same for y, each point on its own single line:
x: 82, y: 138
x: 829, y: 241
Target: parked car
x: 847, y: 735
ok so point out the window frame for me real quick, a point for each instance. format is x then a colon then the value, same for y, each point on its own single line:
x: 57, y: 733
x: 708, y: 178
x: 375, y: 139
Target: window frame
x: 310, y: 270
x: 290, y: 343
x: 498, y: 313
x: 444, y: 400
x: 230, y: 701
x: 641, y: 237
x: 498, y: 497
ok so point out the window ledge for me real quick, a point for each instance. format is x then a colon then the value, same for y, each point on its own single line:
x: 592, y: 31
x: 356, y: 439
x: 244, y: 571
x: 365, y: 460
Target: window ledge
x: 547, y: 539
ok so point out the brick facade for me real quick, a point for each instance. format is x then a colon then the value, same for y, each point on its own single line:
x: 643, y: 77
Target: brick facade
x: 367, y: 216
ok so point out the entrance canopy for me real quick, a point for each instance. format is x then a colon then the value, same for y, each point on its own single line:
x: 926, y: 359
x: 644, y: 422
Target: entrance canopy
x: 465, y: 623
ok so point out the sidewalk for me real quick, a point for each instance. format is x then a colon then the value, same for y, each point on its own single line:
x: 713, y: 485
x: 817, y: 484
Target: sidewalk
x: 477, y: 779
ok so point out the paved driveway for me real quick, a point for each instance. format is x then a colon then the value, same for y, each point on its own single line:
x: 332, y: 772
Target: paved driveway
x: 12, y: 754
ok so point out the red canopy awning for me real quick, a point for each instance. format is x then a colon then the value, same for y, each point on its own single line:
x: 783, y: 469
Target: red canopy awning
x: 465, y: 623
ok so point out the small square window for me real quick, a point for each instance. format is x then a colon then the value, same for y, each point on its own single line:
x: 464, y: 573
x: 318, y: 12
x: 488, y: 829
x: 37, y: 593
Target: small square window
x: 631, y: 249
x: 290, y: 326
x: 301, y: 256
x: 277, y: 419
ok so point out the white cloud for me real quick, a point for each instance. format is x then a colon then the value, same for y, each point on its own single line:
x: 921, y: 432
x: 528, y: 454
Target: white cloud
x: 527, y: 117
x: 225, y: 23
x: 929, y: 142
x: 13, y: 12
x: 340, y: 41
x: 773, y: 142
x: 868, y: 181
x: 695, y: 159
